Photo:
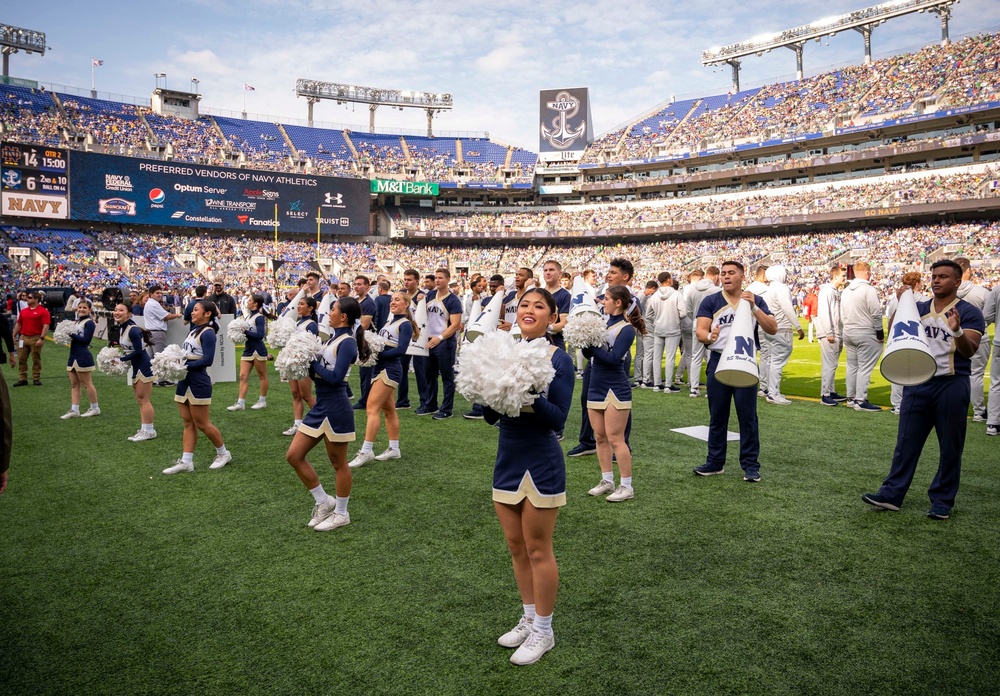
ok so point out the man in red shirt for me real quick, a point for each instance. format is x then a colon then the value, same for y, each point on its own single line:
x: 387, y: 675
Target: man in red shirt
x: 811, y: 306
x: 29, y: 332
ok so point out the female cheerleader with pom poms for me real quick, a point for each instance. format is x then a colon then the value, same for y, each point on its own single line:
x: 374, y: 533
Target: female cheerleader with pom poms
x: 132, y: 339
x: 387, y: 375
x: 331, y: 419
x: 254, y: 356
x: 302, y: 389
x: 609, y: 399
x: 529, y: 485
x: 81, y: 364
x: 194, y: 391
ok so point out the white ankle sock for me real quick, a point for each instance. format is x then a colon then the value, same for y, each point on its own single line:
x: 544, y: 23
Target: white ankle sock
x: 298, y: 422
x: 94, y: 406
x: 394, y: 445
x: 241, y: 402
x: 188, y: 457
x: 75, y: 408
x: 608, y: 476
x: 366, y: 448
x: 221, y: 450
x: 529, y: 611
x: 318, y: 494
x: 543, y: 624
x: 262, y: 400
x: 147, y: 428
x: 627, y: 481
x: 341, y: 508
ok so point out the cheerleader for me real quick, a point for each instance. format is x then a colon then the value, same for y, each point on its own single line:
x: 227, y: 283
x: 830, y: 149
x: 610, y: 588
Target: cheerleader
x: 387, y: 375
x: 254, y: 356
x: 609, y: 399
x: 331, y: 419
x: 132, y: 339
x: 302, y: 389
x: 81, y: 364
x: 194, y: 392
x: 529, y: 485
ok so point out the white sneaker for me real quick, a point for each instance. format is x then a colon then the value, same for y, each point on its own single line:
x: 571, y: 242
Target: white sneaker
x: 236, y: 407
x: 291, y: 431
x: 778, y: 400
x: 693, y: 394
x: 70, y: 414
x: 517, y: 635
x: 621, y: 493
x: 603, y: 488
x: 322, y: 510
x: 90, y: 412
x: 333, y: 521
x: 360, y: 459
x: 387, y: 455
x: 179, y: 467
x: 259, y: 405
x: 532, y: 649
x: 221, y: 460
x: 142, y: 436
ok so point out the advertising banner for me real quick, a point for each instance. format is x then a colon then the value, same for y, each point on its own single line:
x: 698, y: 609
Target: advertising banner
x: 404, y: 188
x: 564, y: 126
x: 108, y: 188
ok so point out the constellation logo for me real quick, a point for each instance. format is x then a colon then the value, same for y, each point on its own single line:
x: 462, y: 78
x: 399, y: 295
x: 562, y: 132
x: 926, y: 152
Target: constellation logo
x: 563, y: 134
x: 334, y: 200
x: 177, y: 215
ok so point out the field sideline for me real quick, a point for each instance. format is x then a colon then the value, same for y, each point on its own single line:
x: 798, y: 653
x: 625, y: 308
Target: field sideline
x: 116, y: 579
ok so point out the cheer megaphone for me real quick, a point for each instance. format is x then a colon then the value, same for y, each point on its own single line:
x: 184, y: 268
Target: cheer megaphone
x: 907, y: 360
x: 294, y: 303
x: 738, y: 363
x: 323, y: 312
x: 488, y: 319
x: 418, y: 345
x: 582, y: 298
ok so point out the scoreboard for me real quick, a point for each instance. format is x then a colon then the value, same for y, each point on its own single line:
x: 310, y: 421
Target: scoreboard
x: 34, y: 181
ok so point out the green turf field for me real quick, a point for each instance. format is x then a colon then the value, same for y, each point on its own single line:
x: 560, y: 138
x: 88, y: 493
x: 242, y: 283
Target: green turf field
x: 115, y: 579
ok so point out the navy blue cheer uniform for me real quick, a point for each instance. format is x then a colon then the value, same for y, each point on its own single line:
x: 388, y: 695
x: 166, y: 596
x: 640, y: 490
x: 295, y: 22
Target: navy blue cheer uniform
x: 196, y: 387
x: 720, y: 396
x: 397, y: 334
x: 530, y: 462
x: 941, y: 404
x: 80, y: 357
x: 307, y: 324
x: 562, y: 298
x: 609, y: 385
x: 254, y: 348
x: 419, y: 368
x: 441, y: 360
x: 133, y: 352
x: 332, y: 417
x: 368, y: 309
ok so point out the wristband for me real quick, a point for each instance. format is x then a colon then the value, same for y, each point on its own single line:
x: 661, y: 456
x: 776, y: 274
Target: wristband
x: 959, y: 333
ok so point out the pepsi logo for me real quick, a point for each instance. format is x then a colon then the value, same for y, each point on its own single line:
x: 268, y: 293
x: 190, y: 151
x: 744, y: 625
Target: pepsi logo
x: 156, y: 195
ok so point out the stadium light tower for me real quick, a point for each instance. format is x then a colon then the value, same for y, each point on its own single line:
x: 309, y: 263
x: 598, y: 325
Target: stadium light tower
x: 862, y: 21
x: 374, y: 97
x: 14, y: 39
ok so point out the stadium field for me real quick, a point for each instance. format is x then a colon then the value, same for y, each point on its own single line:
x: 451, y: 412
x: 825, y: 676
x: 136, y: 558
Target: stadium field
x: 115, y: 579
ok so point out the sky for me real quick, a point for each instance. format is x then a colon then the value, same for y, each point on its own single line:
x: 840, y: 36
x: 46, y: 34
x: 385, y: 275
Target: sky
x: 492, y: 57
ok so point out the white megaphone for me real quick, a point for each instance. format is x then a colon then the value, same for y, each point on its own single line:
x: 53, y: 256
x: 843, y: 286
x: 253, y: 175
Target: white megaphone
x: 738, y: 363
x: 290, y: 308
x: 488, y: 319
x: 323, y: 312
x: 907, y: 360
x: 418, y: 345
x: 582, y: 298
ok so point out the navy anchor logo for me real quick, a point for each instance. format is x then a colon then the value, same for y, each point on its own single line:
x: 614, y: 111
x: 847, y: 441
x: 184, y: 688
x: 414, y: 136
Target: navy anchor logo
x: 560, y: 137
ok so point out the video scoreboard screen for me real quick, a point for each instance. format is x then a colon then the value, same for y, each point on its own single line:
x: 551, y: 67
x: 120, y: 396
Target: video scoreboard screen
x: 34, y: 181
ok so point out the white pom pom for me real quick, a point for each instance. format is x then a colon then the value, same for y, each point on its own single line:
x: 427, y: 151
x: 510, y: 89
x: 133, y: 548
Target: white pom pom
x: 171, y: 364
x: 280, y: 332
x: 375, y: 344
x: 237, y: 331
x: 109, y: 361
x: 502, y: 373
x: 294, y: 359
x: 586, y: 330
x: 65, y: 330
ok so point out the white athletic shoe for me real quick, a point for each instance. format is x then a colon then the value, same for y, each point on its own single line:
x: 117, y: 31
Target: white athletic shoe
x: 603, y: 488
x: 259, y: 405
x: 91, y: 412
x: 517, y: 635
x: 694, y: 394
x: 333, y: 521
x: 142, y: 436
x: 236, y: 407
x: 221, y: 460
x: 291, y: 431
x: 532, y: 649
x: 322, y: 511
x: 360, y: 459
x: 777, y: 399
x: 70, y: 414
x: 387, y: 455
x: 621, y: 493
x: 179, y: 467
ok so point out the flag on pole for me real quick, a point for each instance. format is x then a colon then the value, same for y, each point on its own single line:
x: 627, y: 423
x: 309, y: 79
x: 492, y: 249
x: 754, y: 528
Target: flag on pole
x: 248, y: 88
x: 96, y: 62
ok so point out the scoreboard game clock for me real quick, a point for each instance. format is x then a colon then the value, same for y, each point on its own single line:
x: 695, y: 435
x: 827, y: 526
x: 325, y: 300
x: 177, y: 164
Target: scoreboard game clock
x: 34, y: 181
